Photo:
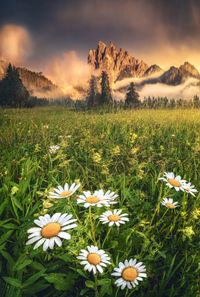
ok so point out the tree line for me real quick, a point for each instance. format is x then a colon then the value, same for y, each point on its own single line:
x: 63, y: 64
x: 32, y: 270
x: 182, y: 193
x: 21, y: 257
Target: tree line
x: 104, y: 97
x: 14, y: 94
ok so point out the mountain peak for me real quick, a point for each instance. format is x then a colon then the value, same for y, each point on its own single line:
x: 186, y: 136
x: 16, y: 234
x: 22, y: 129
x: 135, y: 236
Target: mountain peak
x: 189, y: 69
x: 111, y: 44
x: 119, y: 64
x: 175, y: 76
x: 101, y: 45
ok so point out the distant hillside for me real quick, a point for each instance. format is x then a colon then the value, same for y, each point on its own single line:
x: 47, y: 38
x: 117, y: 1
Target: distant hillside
x: 35, y: 82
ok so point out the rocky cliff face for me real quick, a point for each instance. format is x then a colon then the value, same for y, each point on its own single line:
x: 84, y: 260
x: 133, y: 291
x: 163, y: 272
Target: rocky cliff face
x: 175, y: 76
x: 119, y: 64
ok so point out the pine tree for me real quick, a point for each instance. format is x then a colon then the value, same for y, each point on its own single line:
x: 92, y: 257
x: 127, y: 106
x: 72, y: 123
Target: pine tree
x: 93, y: 95
x: 196, y: 101
x: 132, y: 97
x: 12, y: 91
x: 106, y: 97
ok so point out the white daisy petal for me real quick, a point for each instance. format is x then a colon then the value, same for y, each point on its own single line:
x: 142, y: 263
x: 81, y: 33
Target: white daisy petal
x: 34, y: 229
x: 100, y: 268
x: 32, y: 240
x: 123, y: 286
x: 51, y: 243
x: 66, y: 222
x: 39, y: 223
x: 66, y: 187
x: 55, y: 217
x: 64, y: 235
x: 69, y: 227
x: 39, y: 243
x: 34, y: 234
x: 58, y: 241
x: 46, y: 244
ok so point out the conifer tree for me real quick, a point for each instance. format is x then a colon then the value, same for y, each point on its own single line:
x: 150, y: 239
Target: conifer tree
x: 132, y: 97
x: 196, y: 101
x: 12, y: 91
x: 106, y: 97
x: 93, y: 95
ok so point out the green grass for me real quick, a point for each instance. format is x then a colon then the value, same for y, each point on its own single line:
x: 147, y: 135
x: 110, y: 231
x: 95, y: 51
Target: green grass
x: 121, y: 152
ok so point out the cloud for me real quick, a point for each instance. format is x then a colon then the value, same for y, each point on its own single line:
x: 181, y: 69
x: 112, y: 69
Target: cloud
x: 186, y: 90
x: 68, y: 71
x: 15, y: 43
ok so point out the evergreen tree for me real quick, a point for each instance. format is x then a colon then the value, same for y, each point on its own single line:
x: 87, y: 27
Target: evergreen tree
x: 132, y: 97
x: 93, y: 95
x: 106, y: 97
x: 12, y: 91
x: 196, y: 101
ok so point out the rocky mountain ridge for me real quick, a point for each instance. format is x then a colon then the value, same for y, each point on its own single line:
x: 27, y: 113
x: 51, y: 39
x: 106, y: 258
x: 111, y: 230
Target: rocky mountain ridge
x: 175, y: 76
x: 119, y: 64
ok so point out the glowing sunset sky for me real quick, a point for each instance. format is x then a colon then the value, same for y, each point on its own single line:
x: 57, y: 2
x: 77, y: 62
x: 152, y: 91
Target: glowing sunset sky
x: 160, y: 32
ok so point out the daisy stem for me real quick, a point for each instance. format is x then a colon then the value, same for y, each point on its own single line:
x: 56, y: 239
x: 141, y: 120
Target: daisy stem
x: 131, y: 292
x: 117, y: 292
x: 92, y: 226
x: 74, y: 211
x: 106, y: 237
x: 162, y: 216
x: 126, y: 292
x: 96, y: 289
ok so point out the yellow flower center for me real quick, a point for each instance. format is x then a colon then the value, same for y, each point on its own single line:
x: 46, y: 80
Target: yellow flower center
x: 174, y: 182
x: 129, y: 274
x: 92, y: 199
x: 54, y: 148
x: 94, y: 259
x: 170, y: 205
x: 50, y: 230
x: 114, y: 218
x: 65, y: 193
x: 186, y: 189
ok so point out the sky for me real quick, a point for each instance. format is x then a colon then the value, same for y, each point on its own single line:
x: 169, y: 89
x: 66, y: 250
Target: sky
x: 46, y: 34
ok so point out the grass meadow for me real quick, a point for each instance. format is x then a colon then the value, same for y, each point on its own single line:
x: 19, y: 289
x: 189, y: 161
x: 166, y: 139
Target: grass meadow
x: 125, y: 152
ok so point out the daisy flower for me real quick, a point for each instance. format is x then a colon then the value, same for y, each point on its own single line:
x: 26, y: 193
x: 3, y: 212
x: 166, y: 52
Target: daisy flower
x: 64, y: 192
x: 189, y: 189
x: 169, y: 203
x: 93, y: 259
x: 113, y: 218
x: 108, y: 196
x: 173, y: 181
x: 49, y: 230
x: 130, y: 273
x: 95, y: 199
x: 53, y: 148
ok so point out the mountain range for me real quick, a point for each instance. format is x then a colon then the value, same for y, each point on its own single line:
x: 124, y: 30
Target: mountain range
x: 120, y: 66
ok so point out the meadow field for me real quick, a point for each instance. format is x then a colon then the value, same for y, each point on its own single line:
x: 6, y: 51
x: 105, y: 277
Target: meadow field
x: 125, y: 152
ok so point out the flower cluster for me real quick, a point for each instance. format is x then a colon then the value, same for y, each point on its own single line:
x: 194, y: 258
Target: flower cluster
x: 177, y: 183
x: 51, y: 230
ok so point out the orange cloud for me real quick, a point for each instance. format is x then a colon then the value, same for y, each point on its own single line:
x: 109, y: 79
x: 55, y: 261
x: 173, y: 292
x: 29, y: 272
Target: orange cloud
x: 68, y: 71
x: 15, y: 43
